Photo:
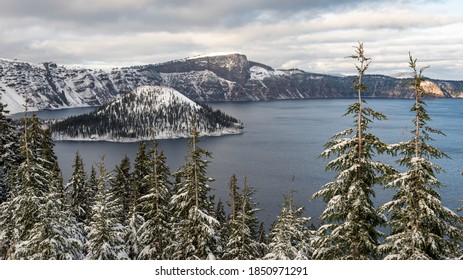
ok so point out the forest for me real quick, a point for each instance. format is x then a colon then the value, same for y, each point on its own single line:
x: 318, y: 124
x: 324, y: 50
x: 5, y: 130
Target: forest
x: 148, y: 212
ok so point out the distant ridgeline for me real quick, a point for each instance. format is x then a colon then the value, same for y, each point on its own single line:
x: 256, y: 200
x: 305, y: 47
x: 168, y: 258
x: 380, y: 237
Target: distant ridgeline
x: 144, y: 113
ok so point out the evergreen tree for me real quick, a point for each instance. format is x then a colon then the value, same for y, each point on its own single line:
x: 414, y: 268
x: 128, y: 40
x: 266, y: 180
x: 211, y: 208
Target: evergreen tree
x: 55, y: 235
x: 421, y: 227
x: 77, y: 191
x: 121, y: 186
x: 105, y: 232
x: 221, y: 218
x: 141, y: 170
x: 242, y: 243
x: 30, y: 186
x: 350, y: 219
x: 290, y: 237
x: 92, y: 187
x: 233, y: 195
x: 155, y: 234
x: 195, y: 228
x: 132, y: 238
x: 9, y: 152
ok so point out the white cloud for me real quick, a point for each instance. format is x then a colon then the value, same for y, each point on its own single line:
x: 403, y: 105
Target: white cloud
x: 313, y: 35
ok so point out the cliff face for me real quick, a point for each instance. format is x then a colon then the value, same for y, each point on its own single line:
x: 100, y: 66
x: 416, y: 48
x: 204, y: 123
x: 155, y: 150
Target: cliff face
x: 230, y: 77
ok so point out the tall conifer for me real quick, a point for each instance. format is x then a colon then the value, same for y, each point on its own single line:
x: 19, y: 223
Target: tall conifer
x: 105, y: 232
x: 421, y: 227
x: 350, y: 218
x: 195, y: 228
x: 242, y: 227
x: 155, y: 234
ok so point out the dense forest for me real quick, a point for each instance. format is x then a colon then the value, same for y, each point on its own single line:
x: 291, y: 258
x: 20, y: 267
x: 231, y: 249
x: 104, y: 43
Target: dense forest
x: 144, y: 113
x: 146, y: 211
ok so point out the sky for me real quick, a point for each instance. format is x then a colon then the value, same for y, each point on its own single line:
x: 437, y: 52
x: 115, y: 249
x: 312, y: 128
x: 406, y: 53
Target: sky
x: 312, y: 35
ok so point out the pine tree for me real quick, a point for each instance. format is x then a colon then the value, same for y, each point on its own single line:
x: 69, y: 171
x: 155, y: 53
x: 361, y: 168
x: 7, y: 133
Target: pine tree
x: 155, y: 234
x: 195, y: 228
x: 9, y: 152
x: 55, y: 235
x: 141, y: 170
x: 121, y: 188
x: 105, y: 232
x: 350, y: 218
x: 242, y: 243
x: 92, y: 186
x: 421, y: 227
x: 290, y: 237
x: 77, y: 191
x: 221, y: 218
x: 30, y: 185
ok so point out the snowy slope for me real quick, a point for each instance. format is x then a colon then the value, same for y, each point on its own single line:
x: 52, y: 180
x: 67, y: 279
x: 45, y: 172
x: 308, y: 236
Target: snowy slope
x: 146, y: 112
x: 213, y: 77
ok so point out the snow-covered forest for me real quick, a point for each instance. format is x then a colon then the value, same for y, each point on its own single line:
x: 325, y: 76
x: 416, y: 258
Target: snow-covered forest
x: 146, y: 211
x: 145, y: 113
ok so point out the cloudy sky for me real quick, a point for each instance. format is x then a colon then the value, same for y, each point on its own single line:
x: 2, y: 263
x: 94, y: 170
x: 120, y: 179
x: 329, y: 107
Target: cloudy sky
x: 313, y: 35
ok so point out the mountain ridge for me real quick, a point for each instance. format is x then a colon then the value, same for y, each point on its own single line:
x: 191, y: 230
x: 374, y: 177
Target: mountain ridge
x: 229, y: 77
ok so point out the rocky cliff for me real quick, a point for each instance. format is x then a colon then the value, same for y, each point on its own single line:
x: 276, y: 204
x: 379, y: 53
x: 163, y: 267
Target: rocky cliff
x: 229, y: 77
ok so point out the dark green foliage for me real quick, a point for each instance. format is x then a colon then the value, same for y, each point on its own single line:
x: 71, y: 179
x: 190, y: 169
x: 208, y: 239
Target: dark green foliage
x: 9, y: 152
x: 126, y: 118
x: 121, y: 188
x: 77, y: 191
x: 141, y: 170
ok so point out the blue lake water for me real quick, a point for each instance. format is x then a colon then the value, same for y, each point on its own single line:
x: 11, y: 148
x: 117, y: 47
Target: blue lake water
x: 284, y: 139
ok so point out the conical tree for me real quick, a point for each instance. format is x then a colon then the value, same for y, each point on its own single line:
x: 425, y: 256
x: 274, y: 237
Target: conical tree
x: 421, y: 227
x: 105, y: 232
x: 242, y: 243
x: 121, y: 188
x: 76, y: 190
x: 9, y: 152
x: 290, y: 237
x: 221, y: 218
x: 30, y: 185
x: 155, y: 234
x: 195, y: 228
x: 350, y: 218
x: 141, y: 170
x: 55, y: 235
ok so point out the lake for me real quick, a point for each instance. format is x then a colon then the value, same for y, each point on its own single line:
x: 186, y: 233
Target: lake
x: 283, y: 139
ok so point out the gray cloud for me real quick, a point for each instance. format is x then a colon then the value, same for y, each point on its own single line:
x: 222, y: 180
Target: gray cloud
x: 314, y: 35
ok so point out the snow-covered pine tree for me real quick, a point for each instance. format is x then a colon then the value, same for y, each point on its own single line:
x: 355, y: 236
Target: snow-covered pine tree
x: 195, y: 229
x: 121, y: 188
x: 105, y: 232
x: 92, y: 187
x: 155, y: 234
x: 30, y: 186
x: 242, y: 227
x: 55, y: 235
x: 77, y: 193
x: 350, y: 218
x: 421, y: 227
x: 9, y: 152
x: 290, y: 237
x: 141, y: 170
x: 221, y: 218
